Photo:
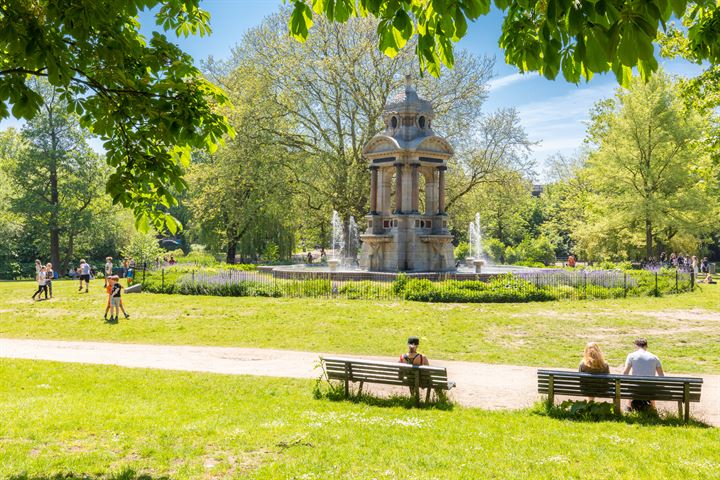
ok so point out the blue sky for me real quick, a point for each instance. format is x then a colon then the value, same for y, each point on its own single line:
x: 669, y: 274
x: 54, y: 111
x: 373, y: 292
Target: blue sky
x: 552, y: 112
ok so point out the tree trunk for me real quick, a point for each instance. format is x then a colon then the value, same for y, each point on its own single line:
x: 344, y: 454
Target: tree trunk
x: 648, y: 239
x: 70, y: 251
x: 55, y: 248
x: 54, y: 196
x: 232, y: 247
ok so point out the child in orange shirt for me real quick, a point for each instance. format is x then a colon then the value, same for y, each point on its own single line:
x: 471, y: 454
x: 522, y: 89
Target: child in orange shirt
x: 114, y: 300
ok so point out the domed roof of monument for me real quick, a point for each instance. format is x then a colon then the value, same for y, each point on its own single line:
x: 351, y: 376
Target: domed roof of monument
x: 407, y: 100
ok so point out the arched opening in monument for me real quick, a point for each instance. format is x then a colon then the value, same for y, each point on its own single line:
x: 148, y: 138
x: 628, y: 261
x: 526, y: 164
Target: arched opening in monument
x: 428, y: 195
x: 392, y: 202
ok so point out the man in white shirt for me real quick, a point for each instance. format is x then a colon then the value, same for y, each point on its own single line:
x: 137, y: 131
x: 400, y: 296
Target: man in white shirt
x: 84, y: 275
x: 645, y: 364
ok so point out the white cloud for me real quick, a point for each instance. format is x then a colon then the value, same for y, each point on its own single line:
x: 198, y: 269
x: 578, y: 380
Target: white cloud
x: 500, y: 82
x: 560, y: 122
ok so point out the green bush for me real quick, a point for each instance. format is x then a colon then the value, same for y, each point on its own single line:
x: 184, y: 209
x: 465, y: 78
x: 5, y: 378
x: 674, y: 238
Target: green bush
x: 364, y: 290
x: 200, y: 258
x: 502, y: 289
x: 495, y: 250
x: 462, y: 250
x: 538, y: 250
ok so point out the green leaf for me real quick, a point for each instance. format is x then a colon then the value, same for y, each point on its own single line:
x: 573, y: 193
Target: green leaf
x: 300, y: 21
x: 460, y: 26
x: 678, y: 7
x: 142, y: 223
x: 172, y: 224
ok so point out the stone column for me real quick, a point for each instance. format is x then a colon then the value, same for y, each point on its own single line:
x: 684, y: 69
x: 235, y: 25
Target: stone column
x: 373, y: 189
x: 415, y: 188
x: 398, y: 188
x: 441, y: 190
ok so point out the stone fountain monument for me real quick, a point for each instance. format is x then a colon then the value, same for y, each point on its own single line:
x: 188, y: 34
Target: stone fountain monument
x: 400, y: 237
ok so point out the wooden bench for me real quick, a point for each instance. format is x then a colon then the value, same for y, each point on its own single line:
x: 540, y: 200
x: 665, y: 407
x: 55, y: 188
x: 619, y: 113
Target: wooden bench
x: 683, y: 390
x: 387, y: 373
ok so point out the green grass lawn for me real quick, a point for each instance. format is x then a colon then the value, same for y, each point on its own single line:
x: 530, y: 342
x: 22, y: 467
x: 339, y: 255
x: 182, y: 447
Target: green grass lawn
x: 682, y: 329
x: 103, y: 422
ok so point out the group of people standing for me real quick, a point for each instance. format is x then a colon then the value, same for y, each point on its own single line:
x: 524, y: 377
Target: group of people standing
x: 684, y: 261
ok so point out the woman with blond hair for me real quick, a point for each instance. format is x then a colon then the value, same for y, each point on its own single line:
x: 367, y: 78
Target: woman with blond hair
x: 593, y: 360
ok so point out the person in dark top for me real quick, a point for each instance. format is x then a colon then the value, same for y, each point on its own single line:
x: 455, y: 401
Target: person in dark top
x: 413, y: 357
x: 116, y: 300
x: 704, y: 265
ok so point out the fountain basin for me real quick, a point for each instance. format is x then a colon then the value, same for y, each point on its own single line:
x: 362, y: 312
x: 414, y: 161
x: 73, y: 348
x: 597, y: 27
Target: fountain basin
x: 478, y: 265
x: 347, y: 273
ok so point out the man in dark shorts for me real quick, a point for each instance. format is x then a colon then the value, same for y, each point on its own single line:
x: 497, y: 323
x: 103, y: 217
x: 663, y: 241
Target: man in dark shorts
x: 84, y: 275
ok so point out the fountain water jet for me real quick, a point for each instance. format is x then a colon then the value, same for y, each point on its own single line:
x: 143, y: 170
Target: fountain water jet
x: 353, y: 242
x: 337, y: 242
x: 476, y: 252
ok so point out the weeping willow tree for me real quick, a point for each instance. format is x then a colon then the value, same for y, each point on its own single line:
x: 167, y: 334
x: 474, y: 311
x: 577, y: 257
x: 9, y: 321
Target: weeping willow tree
x: 240, y: 198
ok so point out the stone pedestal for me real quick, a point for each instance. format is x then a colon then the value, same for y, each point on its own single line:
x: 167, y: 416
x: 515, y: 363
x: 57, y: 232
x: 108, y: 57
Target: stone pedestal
x: 400, y: 237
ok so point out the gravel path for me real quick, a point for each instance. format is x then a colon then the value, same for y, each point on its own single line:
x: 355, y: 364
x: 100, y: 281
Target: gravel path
x: 481, y: 385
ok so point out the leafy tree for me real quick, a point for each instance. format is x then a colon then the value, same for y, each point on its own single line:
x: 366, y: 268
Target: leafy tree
x: 143, y: 247
x: 240, y: 198
x: 142, y: 97
x: 648, y: 174
x: 505, y: 205
x: 579, y: 38
x: 332, y: 90
x: 563, y: 201
x: 11, y: 224
x: 56, y: 175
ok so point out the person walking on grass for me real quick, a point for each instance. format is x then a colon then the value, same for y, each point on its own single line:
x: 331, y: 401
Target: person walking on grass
x: 645, y: 364
x: 49, y: 277
x: 40, y: 277
x: 84, y: 275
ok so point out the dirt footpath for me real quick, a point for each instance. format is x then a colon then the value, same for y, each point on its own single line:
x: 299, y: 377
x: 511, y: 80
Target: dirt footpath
x: 480, y: 385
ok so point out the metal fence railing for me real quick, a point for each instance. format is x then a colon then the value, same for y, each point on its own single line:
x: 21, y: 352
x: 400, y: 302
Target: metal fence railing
x: 541, y: 285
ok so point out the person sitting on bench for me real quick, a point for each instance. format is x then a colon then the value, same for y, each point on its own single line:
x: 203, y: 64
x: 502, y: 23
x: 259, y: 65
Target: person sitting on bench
x: 643, y: 363
x: 413, y: 357
x: 593, y: 362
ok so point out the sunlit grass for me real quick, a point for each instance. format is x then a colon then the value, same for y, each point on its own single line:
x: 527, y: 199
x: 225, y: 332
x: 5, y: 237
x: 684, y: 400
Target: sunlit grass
x: 682, y: 329
x: 79, y: 420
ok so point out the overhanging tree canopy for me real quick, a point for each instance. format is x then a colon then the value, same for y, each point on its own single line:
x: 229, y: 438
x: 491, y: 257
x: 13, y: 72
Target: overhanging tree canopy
x: 577, y: 37
x: 143, y: 98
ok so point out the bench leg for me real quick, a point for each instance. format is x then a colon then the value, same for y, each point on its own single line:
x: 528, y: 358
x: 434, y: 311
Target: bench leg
x: 551, y: 391
x: 347, y: 388
x: 427, y: 395
x: 687, y: 412
x: 360, y: 388
x: 680, y: 408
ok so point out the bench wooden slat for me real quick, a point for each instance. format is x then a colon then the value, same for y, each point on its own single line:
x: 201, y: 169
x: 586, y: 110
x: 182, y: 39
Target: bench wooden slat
x: 561, y: 382
x: 386, y: 373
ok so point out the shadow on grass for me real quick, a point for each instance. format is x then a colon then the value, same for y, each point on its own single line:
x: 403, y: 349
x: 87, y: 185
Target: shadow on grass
x: 127, y: 474
x: 584, y: 411
x: 324, y: 390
